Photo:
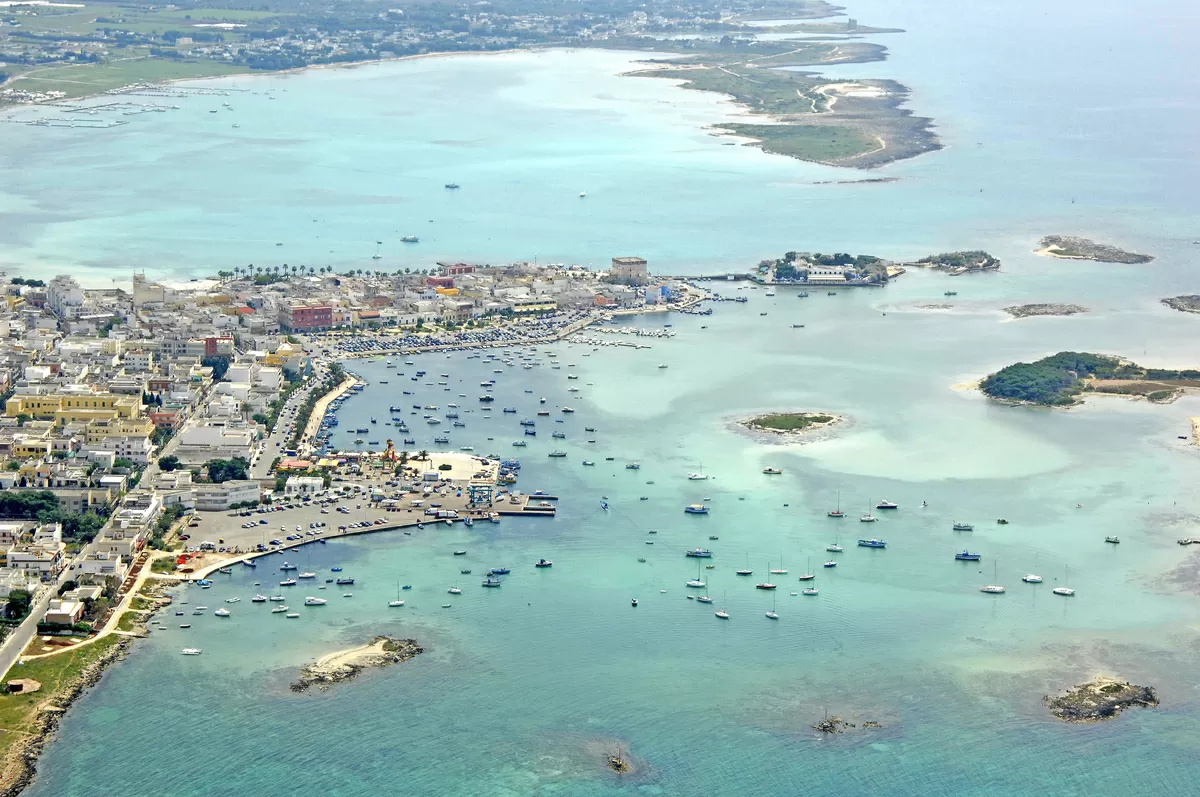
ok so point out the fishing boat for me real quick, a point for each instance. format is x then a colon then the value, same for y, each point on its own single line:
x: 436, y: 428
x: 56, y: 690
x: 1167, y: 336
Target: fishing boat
x: 568, y: 410
x: 491, y: 582
x: 287, y: 566
x: 633, y: 602
x: 1113, y: 539
x: 886, y: 504
x: 519, y: 443
x: 699, y: 553
x: 696, y: 509
x: 225, y: 570
x: 557, y: 454
x: 872, y: 543
x: 963, y: 527
x: 345, y: 581
x: 409, y: 239
x: 993, y: 588
x: 499, y: 571
x: 543, y: 563
x: 967, y: 556
x: 633, y: 466
x: 772, y: 471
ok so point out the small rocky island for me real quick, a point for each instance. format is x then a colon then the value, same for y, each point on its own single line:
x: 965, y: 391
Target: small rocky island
x: 1184, y: 304
x: 345, y: 665
x: 1027, y: 310
x: 964, y: 262
x: 790, y: 423
x: 1069, y: 247
x: 1099, y: 700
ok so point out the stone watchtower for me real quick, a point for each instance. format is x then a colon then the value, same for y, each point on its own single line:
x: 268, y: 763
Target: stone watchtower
x: 629, y: 270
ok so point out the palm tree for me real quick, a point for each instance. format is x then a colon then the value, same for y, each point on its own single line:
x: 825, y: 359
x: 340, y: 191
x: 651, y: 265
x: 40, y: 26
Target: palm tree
x: 312, y: 270
x: 423, y: 456
x: 403, y: 457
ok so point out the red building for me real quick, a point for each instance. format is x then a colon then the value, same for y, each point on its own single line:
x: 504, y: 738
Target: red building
x: 303, y: 317
x: 440, y: 282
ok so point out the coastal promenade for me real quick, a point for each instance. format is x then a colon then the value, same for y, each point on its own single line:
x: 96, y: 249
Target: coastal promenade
x: 318, y: 413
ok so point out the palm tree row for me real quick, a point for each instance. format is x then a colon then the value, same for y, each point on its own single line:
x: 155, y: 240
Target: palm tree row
x: 285, y: 270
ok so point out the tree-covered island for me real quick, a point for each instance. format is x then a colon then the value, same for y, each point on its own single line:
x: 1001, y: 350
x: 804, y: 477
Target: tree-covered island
x: 1060, y: 379
x: 955, y: 263
x: 809, y: 268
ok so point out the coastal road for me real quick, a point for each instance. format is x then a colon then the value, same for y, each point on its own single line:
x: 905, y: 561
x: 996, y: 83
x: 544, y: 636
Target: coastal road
x: 16, y: 642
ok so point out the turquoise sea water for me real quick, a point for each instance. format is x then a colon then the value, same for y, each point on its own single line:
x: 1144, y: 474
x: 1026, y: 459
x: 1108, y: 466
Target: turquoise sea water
x: 523, y: 688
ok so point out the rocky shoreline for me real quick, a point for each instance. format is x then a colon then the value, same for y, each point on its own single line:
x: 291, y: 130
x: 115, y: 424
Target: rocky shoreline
x: 1029, y: 310
x: 20, y: 765
x: 1184, y: 304
x: 1070, y: 247
x: 346, y: 665
x: 1099, y: 700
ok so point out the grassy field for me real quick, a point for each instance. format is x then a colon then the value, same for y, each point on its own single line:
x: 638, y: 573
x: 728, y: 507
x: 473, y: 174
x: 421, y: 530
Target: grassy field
x: 128, y: 621
x: 819, y: 143
x: 82, y: 21
x: 80, y: 80
x: 789, y: 421
x: 17, y: 712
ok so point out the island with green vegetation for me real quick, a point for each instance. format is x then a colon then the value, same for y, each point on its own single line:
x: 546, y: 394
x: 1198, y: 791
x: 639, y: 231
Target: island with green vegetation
x: 1099, y: 700
x: 1184, y: 304
x: 1069, y: 247
x: 1028, y: 310
x: 1060, y: 379
x: 790, y: 423
x: 839, y: 122
x: 964, y: 262
x: 842, y: 268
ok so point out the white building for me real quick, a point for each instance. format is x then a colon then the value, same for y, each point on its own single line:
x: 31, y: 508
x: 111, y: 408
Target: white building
x: 64, y: 612
x: 303, y: 485
x: 216, y: 439
x: 218, y: 497
x: 136, y: 449
x: 64, y: 296
x: 103, y: 564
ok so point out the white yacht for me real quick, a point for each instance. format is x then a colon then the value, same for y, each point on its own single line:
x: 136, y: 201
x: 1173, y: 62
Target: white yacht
x: 192, y: 651
x: 279, y: 610
x: 221, y: 612
x: 454, y: 591
x: 1030, y: 578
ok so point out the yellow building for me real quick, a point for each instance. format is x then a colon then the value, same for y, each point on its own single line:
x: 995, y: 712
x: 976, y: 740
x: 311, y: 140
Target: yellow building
x: 67, y: 407
x: 98, y: 431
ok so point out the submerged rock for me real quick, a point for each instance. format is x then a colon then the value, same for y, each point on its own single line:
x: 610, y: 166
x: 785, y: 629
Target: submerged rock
x: 1099, y: 700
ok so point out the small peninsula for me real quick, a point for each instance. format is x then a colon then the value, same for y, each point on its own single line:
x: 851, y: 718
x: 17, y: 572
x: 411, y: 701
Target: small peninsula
x: 1184, y: 304
x: 789, y: 423
x: 1058, y: 380
x: 955, y: 263
x: 347, y: 664
x: 1099, y: 700
x: 1029, y: 310
x: 1068, y: 247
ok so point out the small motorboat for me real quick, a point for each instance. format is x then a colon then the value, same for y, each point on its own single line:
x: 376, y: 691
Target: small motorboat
x: 886, y: 504
x: 221, y: 612
x: 1030, y: 578
x: 810, y: 591
x: 292, y: 615
x: 191, y: 651
x: 460, y: 553
x: 963, y: 527
x: 185, y: 625
x: 1115, y: 540
x: 259, y: 599
x: 311, y: 601
x: 279, y: 610
x: 634, y: 602
x: 543, y: 563
x: 831, y: 563
x: 967, y: 556
x: 772, y: 471
x: 454, y: 591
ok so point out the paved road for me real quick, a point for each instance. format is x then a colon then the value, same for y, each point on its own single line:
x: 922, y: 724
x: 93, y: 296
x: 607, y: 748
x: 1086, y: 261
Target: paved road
x: 16, y: 642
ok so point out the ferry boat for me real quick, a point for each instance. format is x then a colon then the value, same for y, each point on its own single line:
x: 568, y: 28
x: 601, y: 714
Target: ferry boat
x: 696, y: 509
x: 699, y: 553
x: 772, y: 471
x: 966, y: 556
x: 311, y: 601
x: 886, y: 504
x: 963, y: 527
x: 872, y: 543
